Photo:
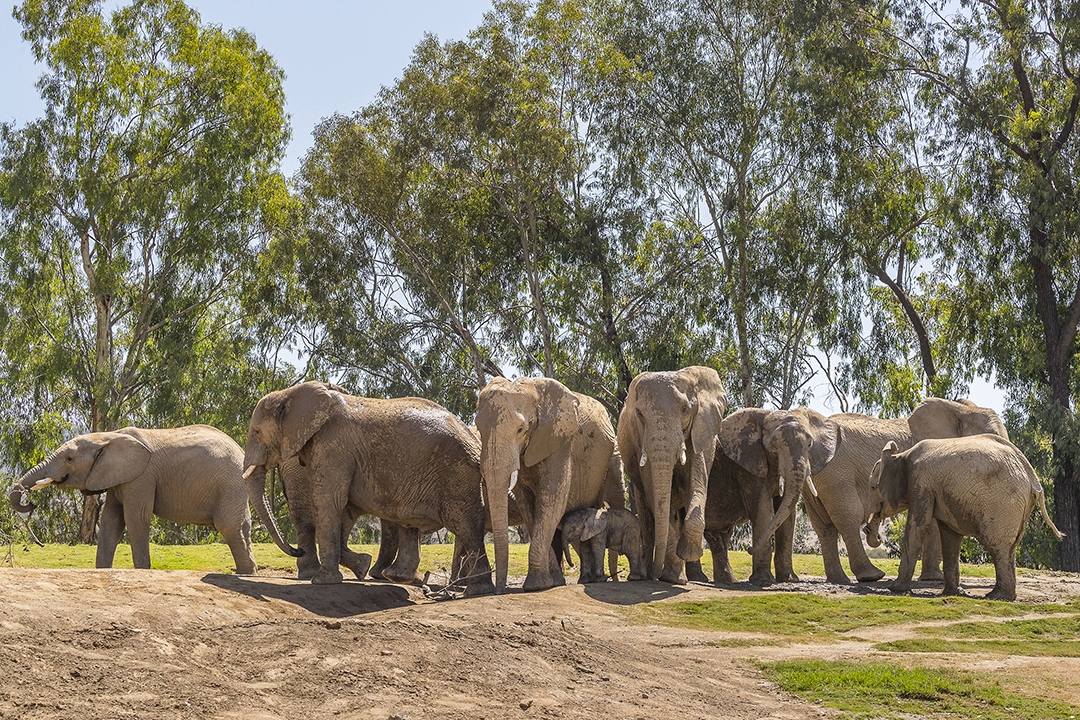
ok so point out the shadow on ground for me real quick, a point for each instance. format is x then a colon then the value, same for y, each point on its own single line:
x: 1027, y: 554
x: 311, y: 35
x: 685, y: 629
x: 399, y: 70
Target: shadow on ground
x: 332, y: 601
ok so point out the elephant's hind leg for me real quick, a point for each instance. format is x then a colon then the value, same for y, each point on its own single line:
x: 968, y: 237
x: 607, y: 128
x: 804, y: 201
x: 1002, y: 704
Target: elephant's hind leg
x: 950, y: 555
x: 1004, y: 574
x: 112, y: 528
x: 238, y: 538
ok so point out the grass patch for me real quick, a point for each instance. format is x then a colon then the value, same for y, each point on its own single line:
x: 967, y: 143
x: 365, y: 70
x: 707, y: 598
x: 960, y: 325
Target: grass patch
x: 886, y: 690
x: 813, y: 617
x: 1054, y: 628
x: 1028, y: 648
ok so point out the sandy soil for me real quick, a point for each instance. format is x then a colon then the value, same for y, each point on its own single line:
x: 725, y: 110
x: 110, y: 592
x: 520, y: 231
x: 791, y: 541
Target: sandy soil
x: 95, y: 644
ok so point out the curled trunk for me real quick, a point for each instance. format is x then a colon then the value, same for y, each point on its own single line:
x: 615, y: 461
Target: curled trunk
x: 256, y: 490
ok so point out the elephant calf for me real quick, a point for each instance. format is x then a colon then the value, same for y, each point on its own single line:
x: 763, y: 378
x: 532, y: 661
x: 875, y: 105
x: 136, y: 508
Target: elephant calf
x: 980, y: 486
x: 189, y: 475
x: 592, y: 530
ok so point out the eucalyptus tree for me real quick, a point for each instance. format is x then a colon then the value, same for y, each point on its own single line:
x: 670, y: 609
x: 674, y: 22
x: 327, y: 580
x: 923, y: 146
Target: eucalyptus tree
x: 130, y: 211
x: 1002, y: 79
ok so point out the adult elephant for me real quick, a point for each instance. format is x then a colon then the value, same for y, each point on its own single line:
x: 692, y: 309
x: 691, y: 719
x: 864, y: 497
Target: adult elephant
x: 406, y: 460
x: 981, y: 486
x: 845, y: 500
x: 552, y: 447
x: 766, y: 458
x: 189, y: 475
x: 667, y: 439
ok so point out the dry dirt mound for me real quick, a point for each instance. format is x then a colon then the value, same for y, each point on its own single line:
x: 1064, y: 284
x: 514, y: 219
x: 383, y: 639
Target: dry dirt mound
x: 142, y: 643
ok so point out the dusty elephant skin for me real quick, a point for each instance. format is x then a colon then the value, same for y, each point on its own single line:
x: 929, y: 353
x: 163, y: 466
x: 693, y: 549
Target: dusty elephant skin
x: 553, y: 448
x: 766, y: 459
x: 406, y: 460
x: 591, y: 531
x: 980, y: 486
x: 845, y: 501
x: 667, y: 439
x: 189, y: 475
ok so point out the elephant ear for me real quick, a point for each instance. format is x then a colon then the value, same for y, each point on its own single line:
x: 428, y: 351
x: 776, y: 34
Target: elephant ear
x: 556, y: 420
x: 892, y: 476
x: 303, y: 413
x: 711, y: 403
x: 595, y: 523
x: 827, y: 437
x: 120, y: 460
x: 741, y: 437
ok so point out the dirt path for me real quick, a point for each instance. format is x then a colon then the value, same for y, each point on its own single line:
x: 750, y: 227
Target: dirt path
x: 95, y: 644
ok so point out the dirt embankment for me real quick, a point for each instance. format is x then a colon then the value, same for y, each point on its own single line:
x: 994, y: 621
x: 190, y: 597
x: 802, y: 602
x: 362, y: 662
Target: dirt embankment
x: 94, y: 644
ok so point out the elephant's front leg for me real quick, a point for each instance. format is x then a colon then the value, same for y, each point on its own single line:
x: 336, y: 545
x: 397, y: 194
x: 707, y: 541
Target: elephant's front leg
x: 549, y: 504
x: 910, y: 553
x: 761, y: 573
x: 930, y: 570
x: 331, y: 494
x: 950, y: 550
x: 785, y: 542
x: 112, y: 529
x: 404, y: 567
x: 827, y: 536
x: 859, y: 561
x: 138, y: 514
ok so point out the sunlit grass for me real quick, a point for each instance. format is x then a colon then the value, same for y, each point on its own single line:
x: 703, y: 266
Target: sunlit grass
x: 1027, y: 648
x: 886, y: 690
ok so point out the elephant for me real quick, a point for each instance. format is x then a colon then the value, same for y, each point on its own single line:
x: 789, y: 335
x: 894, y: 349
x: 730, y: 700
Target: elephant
x: 592, y: 530
x: 764, y: 460
x: 406, y: 460
x: 189, y: 475
x: 667, y: 438
x: 845, y: 501
x: 550, y: 446
x: 980, y: 486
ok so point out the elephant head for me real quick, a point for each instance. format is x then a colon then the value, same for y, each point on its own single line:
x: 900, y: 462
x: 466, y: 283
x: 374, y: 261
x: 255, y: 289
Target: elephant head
x: 521, y: 423
x: 281, y: 427
x: 93, y: 462
x: 667, y: 436
x: 890, y: 478
x: 941, y: 418
x: 796, y: 444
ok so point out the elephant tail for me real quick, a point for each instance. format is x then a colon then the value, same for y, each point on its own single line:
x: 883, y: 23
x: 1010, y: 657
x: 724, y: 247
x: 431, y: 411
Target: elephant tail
x: 1041, y: 497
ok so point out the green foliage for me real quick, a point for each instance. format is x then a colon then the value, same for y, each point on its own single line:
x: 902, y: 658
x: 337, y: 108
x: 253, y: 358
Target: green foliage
x: 887, y: 690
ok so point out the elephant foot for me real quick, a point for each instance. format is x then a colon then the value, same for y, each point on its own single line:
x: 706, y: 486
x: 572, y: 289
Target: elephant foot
x: 326, y: 576
x: 694, y: 573
x: 358, y: 564
x: 535, y: 582
x: 871, y: 575
x: 689, y: 551
x: 787, y: 577
x: 479, y: 586
x: 637, y: 576
x: 306, y: 573
x: 1001, y: 594
x: 672, y: 578
x: 763, y: 579
x: 402, y: 578
x: 838, y: 579
x: 899, y: 587
x: 932, y: 575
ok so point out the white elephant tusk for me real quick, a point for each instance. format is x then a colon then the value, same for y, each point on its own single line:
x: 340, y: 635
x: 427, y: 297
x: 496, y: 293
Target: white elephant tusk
x: 247, y: 473
x: 644, y: 459
x: 682, y: 457
x: 513, y: 480
x: 42, y: 483
x: 781, y: 486
x: 810, y: 484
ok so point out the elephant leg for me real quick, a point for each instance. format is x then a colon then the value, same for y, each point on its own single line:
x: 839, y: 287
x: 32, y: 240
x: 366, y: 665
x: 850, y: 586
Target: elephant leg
x: 308, y: 563
x: 761, y: 573
x: 112, y: 529
x: 358, y: 563
x: 720, y: 542
x: 950, y: 554
x: 389, y: 540
x: 137, y: 518
x: 931, y: 558
x: 674, y: 566
x: 473, y: 565
x: 864, y: 570
x: 911, y: 549
x: 238, y: 538
x: 784, y: 547
x: 405, y: 565
x: 545, y: 571
x: 330, y: 491
x: 613, y: 565
x: 599, y: 547
x: 827, y: 536
x: 1004, y: 572
x: 694, y: 573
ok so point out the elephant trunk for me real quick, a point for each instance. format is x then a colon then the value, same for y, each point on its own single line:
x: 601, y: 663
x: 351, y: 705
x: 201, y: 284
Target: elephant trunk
x: 792, y: 481
x: 29, y: 481
x: 499, y: 471
x: 660, y: 468
x: 255, y: 479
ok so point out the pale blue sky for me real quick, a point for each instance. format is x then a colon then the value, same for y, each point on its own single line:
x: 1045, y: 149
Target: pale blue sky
x: 336, y: 55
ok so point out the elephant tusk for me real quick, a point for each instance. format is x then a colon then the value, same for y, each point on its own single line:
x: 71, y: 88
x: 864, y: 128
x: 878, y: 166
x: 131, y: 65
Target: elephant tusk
x: 810, y: 484
x: 247, y: 473
x: 513, y: 480
x: 42, y: 483
x: 644, y: 459
x: 781, y: 486
x: 682, y: 457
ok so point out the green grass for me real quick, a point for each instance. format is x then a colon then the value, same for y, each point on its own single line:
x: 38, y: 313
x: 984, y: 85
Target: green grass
x: 1027, y: 648
x: 813, y: 617
x: 1043, y: 637
x: 887, y: 690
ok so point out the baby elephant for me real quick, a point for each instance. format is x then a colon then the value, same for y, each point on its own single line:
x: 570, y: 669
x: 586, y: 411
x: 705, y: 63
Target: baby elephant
x: 591, y: 530
x: 980, y: 486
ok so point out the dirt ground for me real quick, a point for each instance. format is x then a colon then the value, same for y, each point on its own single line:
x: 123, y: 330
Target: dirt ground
x: 94, y: 644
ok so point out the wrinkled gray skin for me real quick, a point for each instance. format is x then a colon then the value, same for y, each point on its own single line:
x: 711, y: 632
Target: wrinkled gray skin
x: 552, y: 448
x: 979, y: 486
x: 189, y: 475
x: 667, y: 439
x: 592, y: 530
x: 766, y: 459
x: 406, y: 460
x: 845, y: 501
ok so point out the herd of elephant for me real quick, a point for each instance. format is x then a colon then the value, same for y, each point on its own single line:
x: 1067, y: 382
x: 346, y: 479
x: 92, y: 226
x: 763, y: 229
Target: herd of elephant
x: 548, y: 458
